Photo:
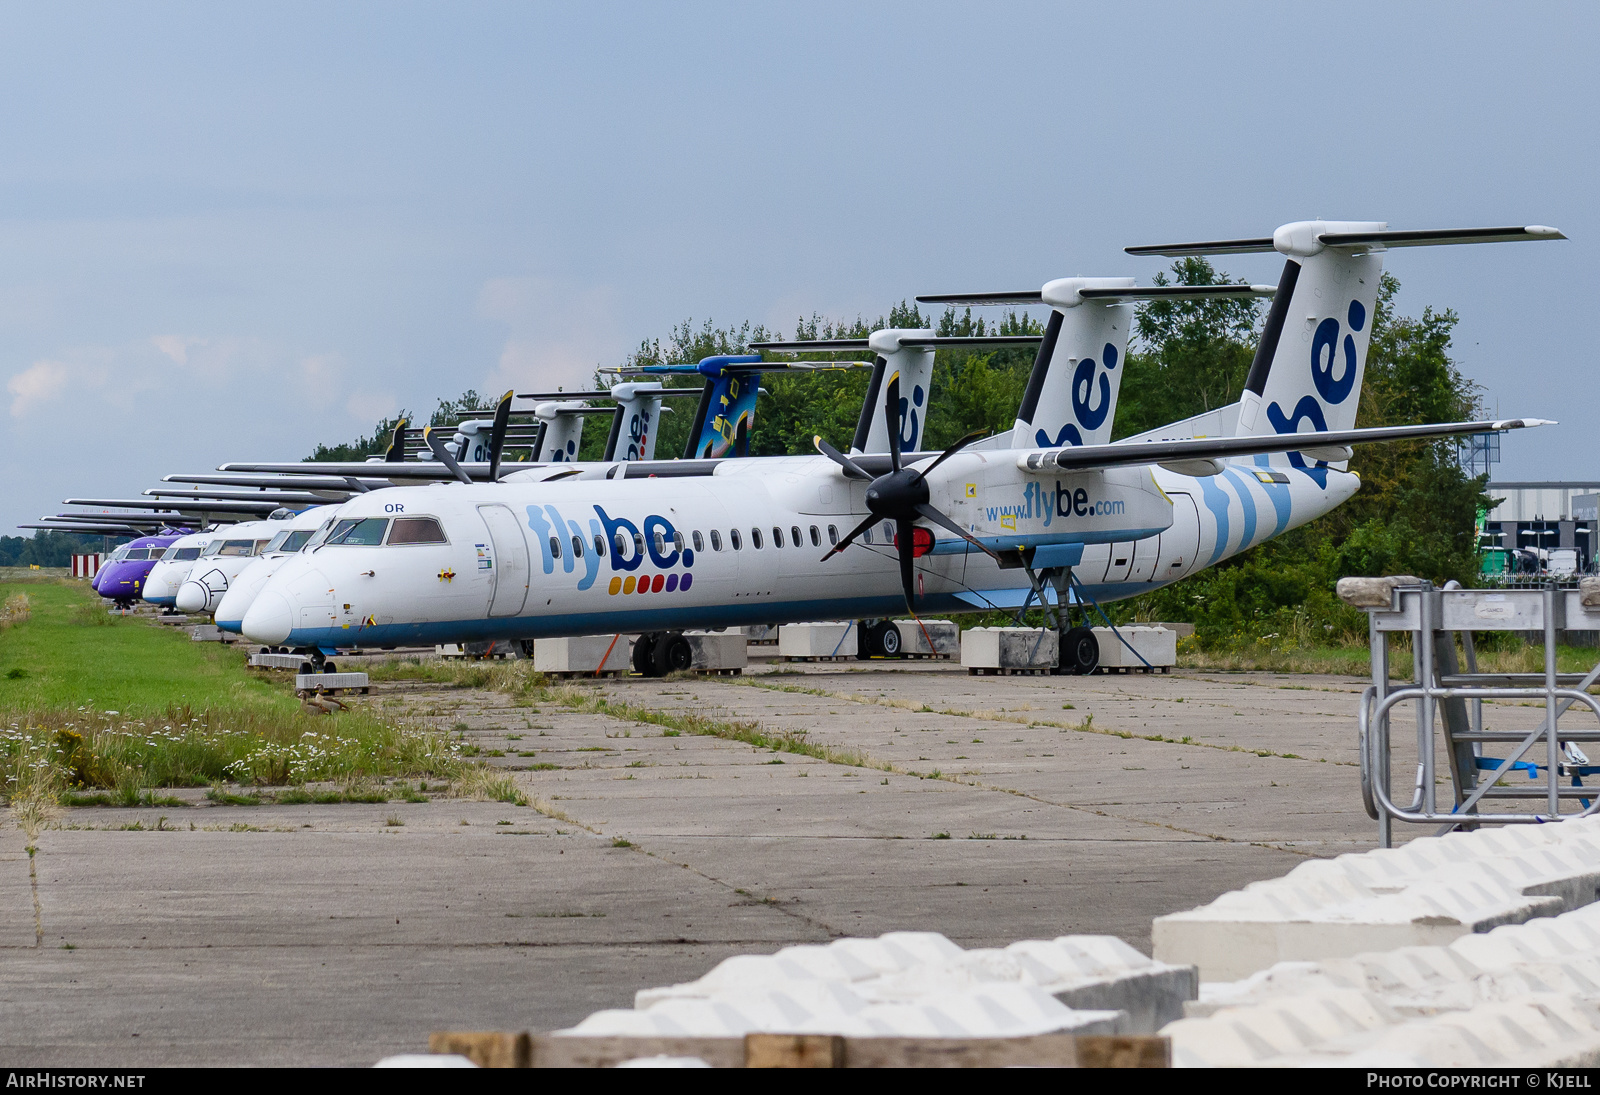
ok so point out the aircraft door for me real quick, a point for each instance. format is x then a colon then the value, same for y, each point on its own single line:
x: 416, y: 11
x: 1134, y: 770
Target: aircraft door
x: 1092, y: 568
x: 1180, y: 544
x: 509, y: 561
x: 1145, y: 555
x: 1121, y: 564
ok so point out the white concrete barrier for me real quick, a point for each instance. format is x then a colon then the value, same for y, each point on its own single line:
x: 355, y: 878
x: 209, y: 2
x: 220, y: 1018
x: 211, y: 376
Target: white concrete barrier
x: 757, y: 633
x: 583, y: 654
x: 1429, y: 892
x: 718, y: 651
x: 1099, y: 974
x: 1009, y: 649
x: 278, y: 661
x: 331, y: 682
x: 946, y: 636
x: 817, y: 640
x: 1157, y: 645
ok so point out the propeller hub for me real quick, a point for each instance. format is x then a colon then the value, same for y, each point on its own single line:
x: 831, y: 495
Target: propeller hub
x: 897, y: 494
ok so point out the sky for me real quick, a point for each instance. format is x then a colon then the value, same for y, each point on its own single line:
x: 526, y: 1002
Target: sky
x: 230, y: 232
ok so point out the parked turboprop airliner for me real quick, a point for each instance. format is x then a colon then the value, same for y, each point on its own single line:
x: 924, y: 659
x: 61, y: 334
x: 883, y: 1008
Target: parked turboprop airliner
x: 740, y: 541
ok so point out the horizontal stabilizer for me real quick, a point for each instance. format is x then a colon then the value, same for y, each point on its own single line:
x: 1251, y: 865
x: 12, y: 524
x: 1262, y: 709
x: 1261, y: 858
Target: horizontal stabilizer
x: 281, y: 497
x: 1216, y: 247
x: 933, y: 341
x: 1377, y: 238
x: 1438, y: 237
x: 295, y: 482
x: 1084, y: 457
x: 1177, y: 292
x: 978, y: 300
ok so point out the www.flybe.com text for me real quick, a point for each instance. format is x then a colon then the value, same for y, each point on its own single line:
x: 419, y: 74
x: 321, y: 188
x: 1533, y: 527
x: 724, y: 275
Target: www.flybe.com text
x: 1067, y: 502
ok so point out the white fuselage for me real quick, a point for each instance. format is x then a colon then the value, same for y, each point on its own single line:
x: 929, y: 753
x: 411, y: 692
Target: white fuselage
x: 499, y: 575
x: 161, y: 587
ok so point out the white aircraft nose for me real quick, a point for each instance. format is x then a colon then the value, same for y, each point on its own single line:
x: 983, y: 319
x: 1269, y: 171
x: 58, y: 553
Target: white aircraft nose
x: 269, y: 619
x: 192, y: 597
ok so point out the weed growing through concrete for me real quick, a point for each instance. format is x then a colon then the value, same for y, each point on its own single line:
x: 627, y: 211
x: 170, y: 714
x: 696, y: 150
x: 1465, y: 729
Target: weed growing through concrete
x: 487, y: 785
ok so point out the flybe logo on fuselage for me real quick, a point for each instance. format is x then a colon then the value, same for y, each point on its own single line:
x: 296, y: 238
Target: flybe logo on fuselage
x: 653, y: 545
x: 1038, y: 503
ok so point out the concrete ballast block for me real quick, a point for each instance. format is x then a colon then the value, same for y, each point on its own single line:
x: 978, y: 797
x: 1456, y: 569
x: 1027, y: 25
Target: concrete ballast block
x: 715, y: 650
x: 1009, y: 648
x: 817, y: 640
x: 1158, y: 646
x: 583, y: 654
x: 946, y: 636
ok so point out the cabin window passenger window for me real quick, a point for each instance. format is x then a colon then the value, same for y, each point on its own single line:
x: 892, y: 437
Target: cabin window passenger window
x: 417, y: 530
x: 833, y: 536
x: 794, y: 537
x: 733, y: 538
x: 699, y: 544
x: 867, y: 536
x: 577, y: 547
x: 622, y: 544
x: 677, y: 540
x: 777, y: 537
x: 356, y: 532
x: 638, y: 543
x: 600, y: 545
x: 661, y: 543
x: 716, y: 540
x: 816, y: 537
x: 755, y: 538
x: 555, y: 546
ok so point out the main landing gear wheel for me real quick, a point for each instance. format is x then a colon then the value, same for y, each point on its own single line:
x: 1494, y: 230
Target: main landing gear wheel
x: 643, y: 651
x: 1080, y: 652
x: 672, y: 654
x: 886, y: 637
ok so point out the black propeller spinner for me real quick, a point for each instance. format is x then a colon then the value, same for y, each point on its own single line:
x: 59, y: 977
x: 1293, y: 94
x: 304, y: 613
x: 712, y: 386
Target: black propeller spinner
x: 900, y: 496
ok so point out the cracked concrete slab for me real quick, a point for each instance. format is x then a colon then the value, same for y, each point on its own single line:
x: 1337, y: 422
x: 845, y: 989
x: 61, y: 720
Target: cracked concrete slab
x: 981, y: 807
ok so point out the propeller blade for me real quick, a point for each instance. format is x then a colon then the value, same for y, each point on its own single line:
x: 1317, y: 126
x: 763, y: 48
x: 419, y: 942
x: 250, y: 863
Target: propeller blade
x: 850, y: 537
x: 891, y: 410
x: 928, y: 513
x: 905, y: 539
x: 951, y: 451
x: 397, y: 444
x: 442, y: 453
x: 851, y: 468
x: 497, y: 436
x: 356, y: 485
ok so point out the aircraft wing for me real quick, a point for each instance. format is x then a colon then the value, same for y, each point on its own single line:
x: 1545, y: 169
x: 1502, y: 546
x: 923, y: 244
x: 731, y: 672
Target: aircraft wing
x: 1334, y: 445
x: 297, y: 482
x: 200, y: 506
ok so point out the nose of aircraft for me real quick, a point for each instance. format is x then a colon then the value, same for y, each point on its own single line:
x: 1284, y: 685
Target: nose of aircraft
x: 268, y: 620
x: 192, y: 597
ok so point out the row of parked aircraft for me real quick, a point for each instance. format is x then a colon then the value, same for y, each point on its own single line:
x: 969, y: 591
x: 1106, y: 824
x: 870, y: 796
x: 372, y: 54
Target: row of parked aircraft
x: 466, y: 547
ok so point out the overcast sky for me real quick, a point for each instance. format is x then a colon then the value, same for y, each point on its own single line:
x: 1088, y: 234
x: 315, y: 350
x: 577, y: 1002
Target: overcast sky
x: 229, y: 231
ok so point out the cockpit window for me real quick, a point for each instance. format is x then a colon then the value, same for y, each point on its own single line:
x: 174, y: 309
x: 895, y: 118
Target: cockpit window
x: 185, y: 554
x: 213, y: 548
x: 417, y: 530
x: 137, y: 553
x: 295, y: 540
x: 120, y: 553
x: 274, y: 543
x: 238, y: 548
x: 359, y: 531
x: 170, y: 554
